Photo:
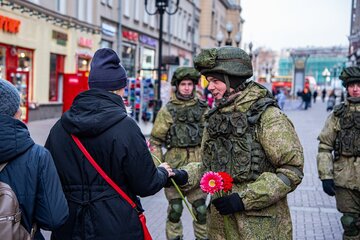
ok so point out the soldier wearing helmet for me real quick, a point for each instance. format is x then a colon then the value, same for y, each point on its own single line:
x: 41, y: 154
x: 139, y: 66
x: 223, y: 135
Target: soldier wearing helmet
x: 179, y: 127
x: 249, y: 137
x: 339, y: 155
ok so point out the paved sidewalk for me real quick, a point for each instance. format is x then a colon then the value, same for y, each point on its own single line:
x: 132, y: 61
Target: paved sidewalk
x: 314, y: 213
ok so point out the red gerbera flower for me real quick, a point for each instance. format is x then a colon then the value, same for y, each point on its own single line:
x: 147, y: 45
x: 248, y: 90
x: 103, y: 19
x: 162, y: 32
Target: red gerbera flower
x: 211, y: 182
x: 227, y: 181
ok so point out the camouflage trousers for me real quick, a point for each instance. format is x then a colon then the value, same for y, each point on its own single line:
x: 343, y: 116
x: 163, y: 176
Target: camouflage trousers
x: 273, y: 222
x: 348, y: 203
x: 175, y: 229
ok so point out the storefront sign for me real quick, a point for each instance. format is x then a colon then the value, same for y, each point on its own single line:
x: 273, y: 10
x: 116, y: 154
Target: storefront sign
x: 9, y: 24
x: 108, y: 29
x: 130, y: 35
x: 148, y: 40
x: 85, y: 42
x: 61, y: 38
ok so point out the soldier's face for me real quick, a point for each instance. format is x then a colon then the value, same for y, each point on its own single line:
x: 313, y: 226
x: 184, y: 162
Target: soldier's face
x: 216, y: 87
x: 186, y: 87
x: 354, y: 89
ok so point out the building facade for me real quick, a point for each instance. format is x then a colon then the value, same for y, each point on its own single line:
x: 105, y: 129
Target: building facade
x: 39, y: 48
x: 214, y: 18
x: 323, y: 64
x: 46, y: 46
x: 354, y: 37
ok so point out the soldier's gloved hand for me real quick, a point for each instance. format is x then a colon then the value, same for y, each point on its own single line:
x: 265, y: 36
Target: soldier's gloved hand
x: 328, y: 187
x: 181, y: 178
x: 229, y: 204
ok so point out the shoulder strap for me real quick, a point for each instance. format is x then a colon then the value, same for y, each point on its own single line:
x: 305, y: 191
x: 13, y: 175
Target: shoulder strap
x: 2, y: 166
x: 102, y: 173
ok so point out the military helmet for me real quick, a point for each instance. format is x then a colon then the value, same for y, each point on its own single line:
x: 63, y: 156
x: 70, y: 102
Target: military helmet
x: 350, y: 75
x: 227, y: 60
x: 182, y: 73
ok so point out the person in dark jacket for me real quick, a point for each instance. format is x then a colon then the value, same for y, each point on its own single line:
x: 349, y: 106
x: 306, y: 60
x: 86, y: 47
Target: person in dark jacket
x: 98, y: 118
x: 30, y: 170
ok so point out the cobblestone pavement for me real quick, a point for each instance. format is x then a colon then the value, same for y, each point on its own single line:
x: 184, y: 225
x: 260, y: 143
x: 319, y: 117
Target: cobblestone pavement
x: 313, y: 213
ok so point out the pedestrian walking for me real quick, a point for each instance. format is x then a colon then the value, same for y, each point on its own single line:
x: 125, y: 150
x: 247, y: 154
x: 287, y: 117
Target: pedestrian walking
x: 338, y: 157
x: 178, y: 127
x: 306, y: 97
x: 315, y: 94
x: 28, y: 169
x: 98, y: 120
x: 323, y: 95
x: 248, y: 137
x: 281, y: 98
x: 331, y: 101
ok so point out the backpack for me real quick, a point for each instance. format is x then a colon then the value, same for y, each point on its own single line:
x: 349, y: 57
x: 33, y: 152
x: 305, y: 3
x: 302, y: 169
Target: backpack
x: 10, y: 214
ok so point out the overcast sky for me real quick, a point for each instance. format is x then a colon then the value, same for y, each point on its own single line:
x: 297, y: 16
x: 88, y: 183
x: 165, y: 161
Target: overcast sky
x: 278, y: 24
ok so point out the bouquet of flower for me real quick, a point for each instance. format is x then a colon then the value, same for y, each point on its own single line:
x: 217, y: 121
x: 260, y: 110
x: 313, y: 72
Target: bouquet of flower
x: 218, y: 184
x: 173, y: 182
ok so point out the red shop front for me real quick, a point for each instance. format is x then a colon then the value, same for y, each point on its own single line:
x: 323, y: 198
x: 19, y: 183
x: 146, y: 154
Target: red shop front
x: 77, y: 82
x: 16, y: 66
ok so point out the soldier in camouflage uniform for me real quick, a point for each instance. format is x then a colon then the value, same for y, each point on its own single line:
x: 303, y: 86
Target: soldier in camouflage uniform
x: 179, y: 128
x: 249, y: 137
x: 338, y: 159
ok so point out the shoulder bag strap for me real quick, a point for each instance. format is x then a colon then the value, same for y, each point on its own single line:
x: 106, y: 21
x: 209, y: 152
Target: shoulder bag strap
x: 102, y: 173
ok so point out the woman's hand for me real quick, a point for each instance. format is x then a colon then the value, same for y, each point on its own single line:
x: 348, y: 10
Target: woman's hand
x: 167, y: 168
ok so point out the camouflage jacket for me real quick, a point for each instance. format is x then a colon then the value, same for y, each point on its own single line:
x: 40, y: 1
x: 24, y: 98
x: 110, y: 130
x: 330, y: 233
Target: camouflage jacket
x: 345, y: 170
x: 175, y: 156
x: 265, y: 196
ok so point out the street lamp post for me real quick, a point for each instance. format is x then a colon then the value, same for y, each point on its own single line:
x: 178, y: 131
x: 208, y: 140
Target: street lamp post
x: 250, y: 50
x: 238, y: 39
x: 161, y: 6
x: 219, y: 38
x: 229, y: 28
x: 326, y: 75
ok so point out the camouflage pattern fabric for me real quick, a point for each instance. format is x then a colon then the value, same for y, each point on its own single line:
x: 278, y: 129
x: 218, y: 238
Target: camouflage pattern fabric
x: 228, y: 60
x: 188, y: 73
x: 345, y: 171
x: 266, y: 214
x: 348, y: 203
x: 350, y: 75
x: 177, y: 157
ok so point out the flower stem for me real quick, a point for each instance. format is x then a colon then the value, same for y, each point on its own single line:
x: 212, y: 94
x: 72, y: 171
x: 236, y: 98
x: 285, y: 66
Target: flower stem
x: 227, y: 228
x: 179, y: 191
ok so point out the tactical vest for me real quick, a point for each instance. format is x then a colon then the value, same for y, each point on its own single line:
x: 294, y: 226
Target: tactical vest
x: 232, y: 145
x: 347, y: 141
x: 187, y: 129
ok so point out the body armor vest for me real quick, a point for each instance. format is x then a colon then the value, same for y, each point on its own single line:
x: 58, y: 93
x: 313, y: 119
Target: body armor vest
x: 347, y: 142
x: 187, y: 129
x: 232, y: 146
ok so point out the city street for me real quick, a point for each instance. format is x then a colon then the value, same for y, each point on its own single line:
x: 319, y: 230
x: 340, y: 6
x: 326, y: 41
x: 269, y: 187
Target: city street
x: 314, y: 213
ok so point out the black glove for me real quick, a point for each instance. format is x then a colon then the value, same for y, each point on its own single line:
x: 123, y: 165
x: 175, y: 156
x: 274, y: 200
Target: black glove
x: 229, y: 204
x: 180, y: 178
x: 328, y: 187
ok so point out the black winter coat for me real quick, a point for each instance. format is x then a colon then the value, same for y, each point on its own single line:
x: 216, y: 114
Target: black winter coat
x: 32, y: 175
x: 116, y: 143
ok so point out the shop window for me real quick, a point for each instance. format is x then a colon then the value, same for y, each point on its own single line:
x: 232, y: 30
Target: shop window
x: 61, y: 6
x: 148, y: 62
x: 2, y: 62
x: 105, y: 44
x: 24, y: 60
x: 83, y: 64
x: 128, y: 58
x: 56, y: 77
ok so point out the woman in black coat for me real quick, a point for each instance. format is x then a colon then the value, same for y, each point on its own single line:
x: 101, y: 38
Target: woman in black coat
x: 99, y: 119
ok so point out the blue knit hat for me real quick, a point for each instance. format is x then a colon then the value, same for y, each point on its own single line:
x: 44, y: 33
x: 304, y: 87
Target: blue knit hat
x: 9, y: 98
x: 106, y: 72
